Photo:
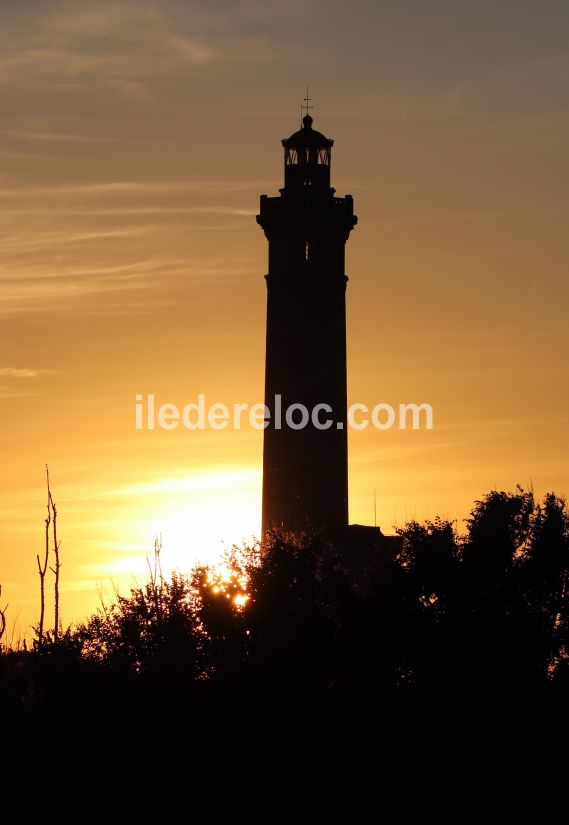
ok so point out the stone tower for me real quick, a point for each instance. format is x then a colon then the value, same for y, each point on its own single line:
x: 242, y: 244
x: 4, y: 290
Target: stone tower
x: 305, y: 469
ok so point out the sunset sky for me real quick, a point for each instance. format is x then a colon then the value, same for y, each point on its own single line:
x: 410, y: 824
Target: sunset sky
x: 135, y: 140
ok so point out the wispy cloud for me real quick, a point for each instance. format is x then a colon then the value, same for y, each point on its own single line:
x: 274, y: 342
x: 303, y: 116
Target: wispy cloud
x: 137, y: 187
x: 38, y: 136
x: 23, y: 372
x: 33, y: 287
x: 116, y: 46
x: 127, y: 48
x: 139, y: 210
x: 61, y: 243
x: 26, y: 243
x: 11, y: 392
x: 216, y: 478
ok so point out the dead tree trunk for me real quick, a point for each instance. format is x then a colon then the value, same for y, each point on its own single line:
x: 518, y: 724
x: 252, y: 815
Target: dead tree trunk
x: 42, y: 568
x: 57, y: 566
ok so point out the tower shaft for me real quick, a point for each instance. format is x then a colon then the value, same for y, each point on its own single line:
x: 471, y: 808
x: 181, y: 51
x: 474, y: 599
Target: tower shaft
x: 305, y: 468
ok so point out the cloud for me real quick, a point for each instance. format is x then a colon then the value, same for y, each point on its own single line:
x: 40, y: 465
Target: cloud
x: 31, y: 288
x: 215, y: 479
x: 131, y: 47
x: 39, y: 136
x: 19, y: 389
x: 8, y: 392
x: 137, y: 187
x: 23, y: 372
x: 27, y: 243
x: 109, y: 45
x: 64, y: 242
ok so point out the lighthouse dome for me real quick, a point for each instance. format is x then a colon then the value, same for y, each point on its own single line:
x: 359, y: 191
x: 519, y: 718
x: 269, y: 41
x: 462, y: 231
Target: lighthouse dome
x: 307, y: 137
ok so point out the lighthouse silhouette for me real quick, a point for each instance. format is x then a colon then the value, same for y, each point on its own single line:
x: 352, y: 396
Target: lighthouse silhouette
x: 305, y: 453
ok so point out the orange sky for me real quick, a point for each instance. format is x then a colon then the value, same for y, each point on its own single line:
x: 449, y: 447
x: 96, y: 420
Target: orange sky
x: 135, y: 141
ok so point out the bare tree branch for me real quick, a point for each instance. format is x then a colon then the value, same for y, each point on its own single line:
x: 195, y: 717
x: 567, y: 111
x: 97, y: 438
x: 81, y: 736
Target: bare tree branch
x: 2, y: 617
x: 42, y: 568
x: 55, y: 570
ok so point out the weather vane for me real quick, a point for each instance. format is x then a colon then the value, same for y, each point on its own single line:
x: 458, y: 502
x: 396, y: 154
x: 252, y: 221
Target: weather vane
x: 306, y: 105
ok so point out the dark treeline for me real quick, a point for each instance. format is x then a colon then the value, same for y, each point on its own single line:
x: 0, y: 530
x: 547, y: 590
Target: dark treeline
x: 329, y: 644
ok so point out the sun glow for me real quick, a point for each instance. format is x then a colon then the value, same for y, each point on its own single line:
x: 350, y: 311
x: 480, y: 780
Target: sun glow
x: 229, y: 582
x: 199, y: 518
x: 196, y: 518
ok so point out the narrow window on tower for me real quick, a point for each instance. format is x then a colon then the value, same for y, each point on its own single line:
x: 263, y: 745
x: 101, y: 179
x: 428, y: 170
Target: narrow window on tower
x: 306, y: 251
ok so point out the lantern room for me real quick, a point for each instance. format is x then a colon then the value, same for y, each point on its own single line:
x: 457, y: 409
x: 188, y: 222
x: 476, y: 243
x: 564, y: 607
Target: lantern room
x: 307, y: 156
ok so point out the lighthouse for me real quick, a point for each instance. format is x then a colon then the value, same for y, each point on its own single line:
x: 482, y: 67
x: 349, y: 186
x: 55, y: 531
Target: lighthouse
x: 305, y: 461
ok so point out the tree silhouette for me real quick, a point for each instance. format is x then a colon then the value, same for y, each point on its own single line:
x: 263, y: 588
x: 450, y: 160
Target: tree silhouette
x: 308, y: 636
